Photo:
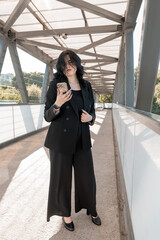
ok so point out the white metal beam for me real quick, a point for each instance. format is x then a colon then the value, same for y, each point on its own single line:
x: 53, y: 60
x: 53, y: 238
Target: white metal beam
x: 41, y: 44
x: 103, y: 91
x: 15, y: 14
x: 132, y: 11
x: 45, y: 83
x: 35, y: 52
x: 129, y: 69
x: 121, y: 76
x: 97, y: 65
x: 18, y: 72
x: 69, y: 31
x: 100, y: 56
x: 116, y: 92
x: 3, y: 48
x: 99, y: 42
x: 145, y: 85
x: 45, y: 26
x: 102, y: 72
x: 93, y: 9
x: 90, y: 35
x: 99, y: 60
x: 103, y: 79
x: 52, y: 46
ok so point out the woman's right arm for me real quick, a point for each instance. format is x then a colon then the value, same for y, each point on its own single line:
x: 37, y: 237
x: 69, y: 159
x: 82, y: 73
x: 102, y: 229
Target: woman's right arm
x: 57, y: 97
x: 49, y: 112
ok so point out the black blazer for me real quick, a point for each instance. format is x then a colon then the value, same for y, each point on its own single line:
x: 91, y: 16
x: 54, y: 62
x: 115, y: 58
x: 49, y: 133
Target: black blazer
x: 62, y: 132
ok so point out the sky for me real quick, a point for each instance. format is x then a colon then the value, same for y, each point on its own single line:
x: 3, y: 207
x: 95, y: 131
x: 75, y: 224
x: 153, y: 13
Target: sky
x: 31, y: 64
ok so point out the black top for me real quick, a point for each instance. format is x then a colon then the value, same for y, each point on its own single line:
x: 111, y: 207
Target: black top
x: 77, y: 96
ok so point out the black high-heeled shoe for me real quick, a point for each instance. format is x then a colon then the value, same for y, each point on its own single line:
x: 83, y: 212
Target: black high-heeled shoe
x: 69, y: 226
x: 96, y: 220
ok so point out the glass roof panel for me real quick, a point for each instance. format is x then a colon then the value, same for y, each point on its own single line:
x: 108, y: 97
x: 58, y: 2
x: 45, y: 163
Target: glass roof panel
x: 27, y: 27
x: 118, y: 8
x: 52, y: 14
x: 66, y: 24
x: 98, y: 21
x: 92, y: 17
x: 63, y: 15
x: 49, y: 4
x: 6, y: 7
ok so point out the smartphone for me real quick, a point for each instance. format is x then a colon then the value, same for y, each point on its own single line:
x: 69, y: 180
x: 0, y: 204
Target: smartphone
x: 62, y: 85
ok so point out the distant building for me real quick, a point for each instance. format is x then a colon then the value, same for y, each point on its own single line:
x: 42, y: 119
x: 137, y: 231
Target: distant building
x: 6, y: 77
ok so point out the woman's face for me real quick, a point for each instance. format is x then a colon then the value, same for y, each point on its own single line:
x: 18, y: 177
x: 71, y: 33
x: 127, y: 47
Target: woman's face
x: 70, y: 68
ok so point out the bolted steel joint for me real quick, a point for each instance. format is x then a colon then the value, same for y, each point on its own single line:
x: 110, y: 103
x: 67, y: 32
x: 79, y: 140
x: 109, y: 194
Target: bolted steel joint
x: 11, y: 34
x: 119, y: 28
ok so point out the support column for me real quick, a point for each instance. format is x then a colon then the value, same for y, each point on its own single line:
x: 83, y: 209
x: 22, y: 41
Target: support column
x: 3, y: 48
x: 45, y: 83
x: 51, y: 73
x: 149, y: 58
x: 96, y: 98
x: 18, y: 72
x: 121, y: 77
x: 115, y: 94
x: 129, y: 69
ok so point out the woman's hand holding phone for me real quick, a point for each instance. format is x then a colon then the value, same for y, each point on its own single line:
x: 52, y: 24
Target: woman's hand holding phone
x: 62, y: 97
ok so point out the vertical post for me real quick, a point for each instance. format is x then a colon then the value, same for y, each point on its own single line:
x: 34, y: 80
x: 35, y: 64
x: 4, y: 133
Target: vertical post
x: 18, y: 72
x: 45, y: 83
x: 150, y: 56
x: 96, y: 97
x: 121, y: 76
x: 3, y: 48
x: 115, y: 94
x: 129, y: 69
x: 50, y: 73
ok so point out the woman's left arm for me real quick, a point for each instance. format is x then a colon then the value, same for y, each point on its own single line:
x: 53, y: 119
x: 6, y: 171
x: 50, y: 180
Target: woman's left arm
x: 92, y: 111
x: 89, y: 116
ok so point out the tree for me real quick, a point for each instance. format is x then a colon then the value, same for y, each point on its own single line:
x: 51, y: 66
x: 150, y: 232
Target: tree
x: 34, y: 93
x: 136, y: 75
x: 156, y: 98
x: 105, y: 98
x: 158, y: 77
x: 11, y: 94
x: 155, y: 106
x: 30, y: 78
x: 157, y: 93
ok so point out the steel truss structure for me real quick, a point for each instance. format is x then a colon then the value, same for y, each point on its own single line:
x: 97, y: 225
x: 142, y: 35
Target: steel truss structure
x: 100, y: 32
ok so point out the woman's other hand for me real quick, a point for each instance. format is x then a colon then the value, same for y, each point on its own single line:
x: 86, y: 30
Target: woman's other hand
x: 85, y: 117
x: 62, y: 98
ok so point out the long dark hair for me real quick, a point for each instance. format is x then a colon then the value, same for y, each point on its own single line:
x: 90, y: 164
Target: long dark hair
x: 75, y: 59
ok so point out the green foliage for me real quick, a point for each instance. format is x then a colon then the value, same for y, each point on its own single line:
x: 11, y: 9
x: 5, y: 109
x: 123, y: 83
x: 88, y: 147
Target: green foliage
x: 10, y: 94
x: 30, y: 78
x: 157, y: 92
x: 156, y: 98
x: 158, y: 78
x: 155, y: 106
x: 13, y: 94
x: 136, y: 75
x: 5, y: 82
x: 34, y: 93
x: 33, y: 82
x: 105, y: 98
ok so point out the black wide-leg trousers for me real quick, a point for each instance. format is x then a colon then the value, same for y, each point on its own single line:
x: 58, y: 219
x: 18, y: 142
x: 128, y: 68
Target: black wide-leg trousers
x: 59, y: 197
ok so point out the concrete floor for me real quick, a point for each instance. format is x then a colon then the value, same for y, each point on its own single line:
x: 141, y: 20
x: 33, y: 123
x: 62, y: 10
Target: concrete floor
x: 24, y: 182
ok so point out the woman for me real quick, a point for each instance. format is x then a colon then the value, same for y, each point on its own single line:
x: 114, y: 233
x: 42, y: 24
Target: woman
x: 69, y: 141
